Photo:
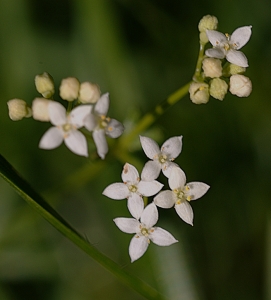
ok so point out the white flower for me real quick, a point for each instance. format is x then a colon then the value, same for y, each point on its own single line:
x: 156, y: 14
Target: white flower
x: 144, y: 232
x: 102, y: 125
x: 133, y: 188
x: 180, y: 194
x: 162, y: 159
x: 228, y: 45
x: 65, y: 128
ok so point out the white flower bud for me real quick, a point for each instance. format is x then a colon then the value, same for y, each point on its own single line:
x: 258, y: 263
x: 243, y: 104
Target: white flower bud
x: 40, y: 109
x: 212, y: 67
x: 203, y: 37
x: 208, y: 22
x: 69, y: 88
x: 18, y: 109
x: 218, y: 88
x: 199, y: 92
x: 234, y: 69
x: 89, y: 92
x: 240, y: 85
x: 45, y: 85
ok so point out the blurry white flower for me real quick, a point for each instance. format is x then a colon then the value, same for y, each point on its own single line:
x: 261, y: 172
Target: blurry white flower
x: 133, y: 188
x: 40, y: 109
x: 45, y: 85
x: 161, y: 159
x: 181, y: 194
x: 18, y: 109
x: 69, y: 88
x: 65, y: 128
x: 102, y: 125
x: 89, y: 92
x: 240, y: 85
x: 144, y: 232
x: 228, y: 45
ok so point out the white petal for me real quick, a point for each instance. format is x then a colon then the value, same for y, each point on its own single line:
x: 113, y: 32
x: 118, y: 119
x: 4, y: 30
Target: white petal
x: 150, y: 147
x: 241, y: 36
x: 185, y: 212
x: 197, y: 189
x: 151, y: 170
x: 130, y: 174
x: 90, y: 122
x: 77, y: 143
x: 215, y: 37
x: 116, y: 191
x: 135, y: 205
x: 127, y: 225
x: 215, y: 52
x: 172, y: 147
x: 161, y: 237
x: 57, y: 113
x: 149, y: 188
x: 237, y: 57
x: 79, y: 113
x: 149, y: 216
x: 114, y: 129
x: 177, y: 179
x: 51, y: 139
x: 167, y: 167
x: 137, y: 247
x: 100, y: 142
x: 165, y: 199
x: 102, y: 105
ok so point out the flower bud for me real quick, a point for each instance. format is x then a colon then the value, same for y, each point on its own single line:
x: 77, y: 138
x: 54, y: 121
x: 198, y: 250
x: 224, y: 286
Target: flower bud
x: 208, y: 23
x: 45, y: 85
x: 69, y: 88
x: 212, y: 67
x: 89, y: 92
x: 199, y: 92
x: 18, y: 109
x: 40, y: 109
x: 240, y: 85
x: 218, y: 88
x: 234, y: 69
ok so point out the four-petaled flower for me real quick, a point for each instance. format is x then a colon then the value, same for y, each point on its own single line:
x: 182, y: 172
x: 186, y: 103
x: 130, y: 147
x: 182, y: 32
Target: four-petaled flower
x: 162, y: 159
x: 181, y: 194
x: 228, y: 45
x: 65, y: 128
x: 144, y: 232
x: 102, y: 125
x: 133, y: 188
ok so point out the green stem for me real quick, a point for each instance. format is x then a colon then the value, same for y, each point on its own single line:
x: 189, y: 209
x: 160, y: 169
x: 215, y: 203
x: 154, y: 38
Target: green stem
x: 197, y: 76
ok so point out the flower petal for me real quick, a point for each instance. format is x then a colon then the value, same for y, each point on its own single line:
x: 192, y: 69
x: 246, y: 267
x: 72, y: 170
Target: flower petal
x: 161, y: 237
x: 149, y: 188
x: 130, y: 174
x: 79, y: 113
x: 215, y: 52
x: 100, y: 142
x: 185, y: 212
x: 167, y: 167
x: 150, y: 147
x: 137, y: 247
x: 151, y: 171
x: 149, y: 216
x: 172, y: 147
x: 77, y: 143
x: 241, y: 36
x: 114, y: 129
x: 90, y: 122
x: 102, y: 105
x: 237, y: 57
x: 197, y: 189
x: 127, y: 225
x: 165, y: 199
x: 177, y: 178
x: 57, y: 113
x: 116, y: 191
x: 135, y: 205
x: 216, y: 38
x: 51, y: 139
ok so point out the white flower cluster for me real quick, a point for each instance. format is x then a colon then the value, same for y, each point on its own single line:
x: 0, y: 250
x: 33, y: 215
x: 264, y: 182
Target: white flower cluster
x: 89, y: 110
x: 135, y: 188
x: 216, y: 77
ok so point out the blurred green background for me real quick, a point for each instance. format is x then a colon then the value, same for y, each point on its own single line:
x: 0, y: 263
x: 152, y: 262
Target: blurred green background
x: 140, y: 51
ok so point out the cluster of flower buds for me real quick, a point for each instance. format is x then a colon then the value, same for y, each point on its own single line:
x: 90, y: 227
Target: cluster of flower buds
x: 222, y: 66
x: 88, y: 109
x: 134, y: 189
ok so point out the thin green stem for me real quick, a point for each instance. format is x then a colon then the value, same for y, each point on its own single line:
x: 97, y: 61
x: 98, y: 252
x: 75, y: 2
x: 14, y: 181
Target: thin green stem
x: 197, y: 76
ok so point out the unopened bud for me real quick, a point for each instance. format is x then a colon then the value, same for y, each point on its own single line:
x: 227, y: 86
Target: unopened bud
x: 40, y: 109
x: 212, y: 67
x: 45, y: 85
x: 208, y: 23
x: 234, y: 69
x: 240, y: 85
x: 69, y: 88
x: 218, y: 88
x: 199, y: 92
x: 18, y: 109
x: 89, y: 92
